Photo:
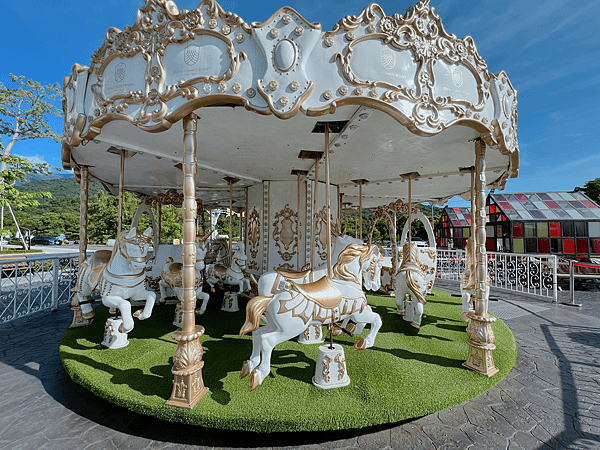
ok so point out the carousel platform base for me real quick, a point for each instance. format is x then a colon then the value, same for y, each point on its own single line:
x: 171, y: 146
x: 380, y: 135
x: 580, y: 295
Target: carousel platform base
x: 407, y: 374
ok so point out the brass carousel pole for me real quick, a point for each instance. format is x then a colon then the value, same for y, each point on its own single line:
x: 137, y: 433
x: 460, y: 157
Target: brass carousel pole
x: 479, y: 331
x: 314, y: 216
x: 78, y: 319
x: 299, y: 174
x: 188, y: 387
x: 360, y: 185
x: 121, y: 192
x: 231, y: 182
x: 158, y: 220
x: 328, y: 203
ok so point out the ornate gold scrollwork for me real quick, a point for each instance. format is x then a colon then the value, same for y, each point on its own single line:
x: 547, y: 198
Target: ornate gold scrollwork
x: 158, y: 24
x: 254, y: 233
x: 321, y: 233
x: 285, y: 232
x: 420, y: 31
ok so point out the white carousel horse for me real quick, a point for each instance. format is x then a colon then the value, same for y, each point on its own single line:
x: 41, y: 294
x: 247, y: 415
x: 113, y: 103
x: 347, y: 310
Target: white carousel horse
x: 171, y: 277
x: 118, y: 276
x: 467, y: 284
x: 411, y: 283
x: 234, y: 275
x: 271, y: 282
x: 291, y: 310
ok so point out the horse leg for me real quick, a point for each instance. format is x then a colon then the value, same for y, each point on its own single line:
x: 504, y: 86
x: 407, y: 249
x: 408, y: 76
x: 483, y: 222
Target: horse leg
x: 268, y: 341
x: 369, y: 316
x: 254, y: 360
x: 410, y: 309
x: 113, y: 301
x: 204, y: 297
x: 150, y: 298
x: 400, y: 294
x: 466, y: 298
x: 163, y: 290
x: 418, y: 315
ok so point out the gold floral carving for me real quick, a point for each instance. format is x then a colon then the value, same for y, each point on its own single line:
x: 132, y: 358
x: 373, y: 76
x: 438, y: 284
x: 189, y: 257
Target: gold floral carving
x: 341, y: 365
x: 254, y: 232
x: 158, y: 24
x: 326, y: 362
x: 321, y: 233
x: 285, y: 233
x: 421, y: 32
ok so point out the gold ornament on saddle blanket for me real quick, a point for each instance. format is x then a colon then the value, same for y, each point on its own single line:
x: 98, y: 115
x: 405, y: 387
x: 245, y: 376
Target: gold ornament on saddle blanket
x: 292, y: 309
x: 118, y: 276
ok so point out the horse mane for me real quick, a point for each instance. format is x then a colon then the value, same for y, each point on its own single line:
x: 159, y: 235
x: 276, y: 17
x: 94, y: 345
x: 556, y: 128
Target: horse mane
x: 410, y: 253
x: 349, y: 254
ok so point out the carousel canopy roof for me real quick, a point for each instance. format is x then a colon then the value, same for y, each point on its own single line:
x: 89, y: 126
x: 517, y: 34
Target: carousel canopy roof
x: 401, y: 94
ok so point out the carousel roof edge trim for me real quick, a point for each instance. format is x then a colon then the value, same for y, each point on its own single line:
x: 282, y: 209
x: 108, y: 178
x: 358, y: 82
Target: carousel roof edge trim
x: 95, y: 96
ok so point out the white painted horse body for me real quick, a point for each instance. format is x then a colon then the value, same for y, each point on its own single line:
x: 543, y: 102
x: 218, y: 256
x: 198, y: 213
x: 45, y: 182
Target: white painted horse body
x: 271, y: 282
x: 291, y: 310
x: 118, y: 277
x: 411, y: 283
x: 232, y: 275
x: 171, y: 277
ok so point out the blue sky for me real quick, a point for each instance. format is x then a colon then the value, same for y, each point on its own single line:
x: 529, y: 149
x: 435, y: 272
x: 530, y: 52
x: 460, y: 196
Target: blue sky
x: 550, y: 50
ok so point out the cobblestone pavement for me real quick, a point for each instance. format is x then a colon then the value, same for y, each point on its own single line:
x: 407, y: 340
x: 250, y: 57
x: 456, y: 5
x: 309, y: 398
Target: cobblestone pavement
x: 550, y: 400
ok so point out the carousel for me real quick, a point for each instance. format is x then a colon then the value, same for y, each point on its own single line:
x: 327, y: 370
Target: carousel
x: 288, y: 125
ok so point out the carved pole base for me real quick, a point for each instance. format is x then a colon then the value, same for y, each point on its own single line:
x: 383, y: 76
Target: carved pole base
x: 78, y: 318
x: 188, y: 387
x: 481, y: 344
x: 230, y: 302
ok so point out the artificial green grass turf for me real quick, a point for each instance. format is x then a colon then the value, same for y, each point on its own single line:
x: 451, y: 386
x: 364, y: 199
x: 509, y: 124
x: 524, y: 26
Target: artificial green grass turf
x: 407, y: 374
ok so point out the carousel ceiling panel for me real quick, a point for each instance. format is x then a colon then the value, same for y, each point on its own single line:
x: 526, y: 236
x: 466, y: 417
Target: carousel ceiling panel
x: 413, y: 96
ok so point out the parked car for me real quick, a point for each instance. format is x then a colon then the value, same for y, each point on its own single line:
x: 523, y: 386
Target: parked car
x: 45, y: 240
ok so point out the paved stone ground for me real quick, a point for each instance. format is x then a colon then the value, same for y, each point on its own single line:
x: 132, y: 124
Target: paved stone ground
x: 550, y: 400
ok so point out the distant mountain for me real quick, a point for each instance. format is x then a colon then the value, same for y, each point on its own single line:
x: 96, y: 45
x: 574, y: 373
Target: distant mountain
x: 59, y: 186
x: 52, y: 176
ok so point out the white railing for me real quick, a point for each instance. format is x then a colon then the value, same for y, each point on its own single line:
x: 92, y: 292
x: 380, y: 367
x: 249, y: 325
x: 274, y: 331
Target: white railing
x: 36, y: 283
x: 531, y: 274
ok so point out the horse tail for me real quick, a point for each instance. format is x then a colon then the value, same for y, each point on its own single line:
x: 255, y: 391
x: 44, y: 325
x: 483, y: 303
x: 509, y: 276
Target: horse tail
x: 413, y: 284
x: 254, y: 310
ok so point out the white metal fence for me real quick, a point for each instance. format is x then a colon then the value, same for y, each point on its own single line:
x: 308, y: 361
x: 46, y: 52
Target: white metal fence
x: 531, y: 274
x: 35, y: 283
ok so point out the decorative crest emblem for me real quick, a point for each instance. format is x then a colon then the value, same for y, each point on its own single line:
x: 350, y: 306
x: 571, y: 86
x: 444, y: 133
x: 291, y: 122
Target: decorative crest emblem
x: 457, y: 77
x: 191, y: 54
x: 388, y: 58
x: 120, y: 72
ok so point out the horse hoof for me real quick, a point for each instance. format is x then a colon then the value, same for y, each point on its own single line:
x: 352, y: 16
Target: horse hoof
x: 137, y: 313
x: 89, y: 315
x: 351, y: 328
x: 416, y: 325
x: 463, y: 317
x: 336, y: 331
x: 254, y: 383
x: 400, y: 313
x: 245, y: 371
x: 361, y: 344
x: 122, y: 329
x: 112, y: 311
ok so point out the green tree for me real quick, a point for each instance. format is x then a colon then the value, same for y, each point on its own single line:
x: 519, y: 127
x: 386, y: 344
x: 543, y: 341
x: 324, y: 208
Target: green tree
x: 592, y: 189
x: 24, y: 115
x: 24, y: 112
x: 15, y: 168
